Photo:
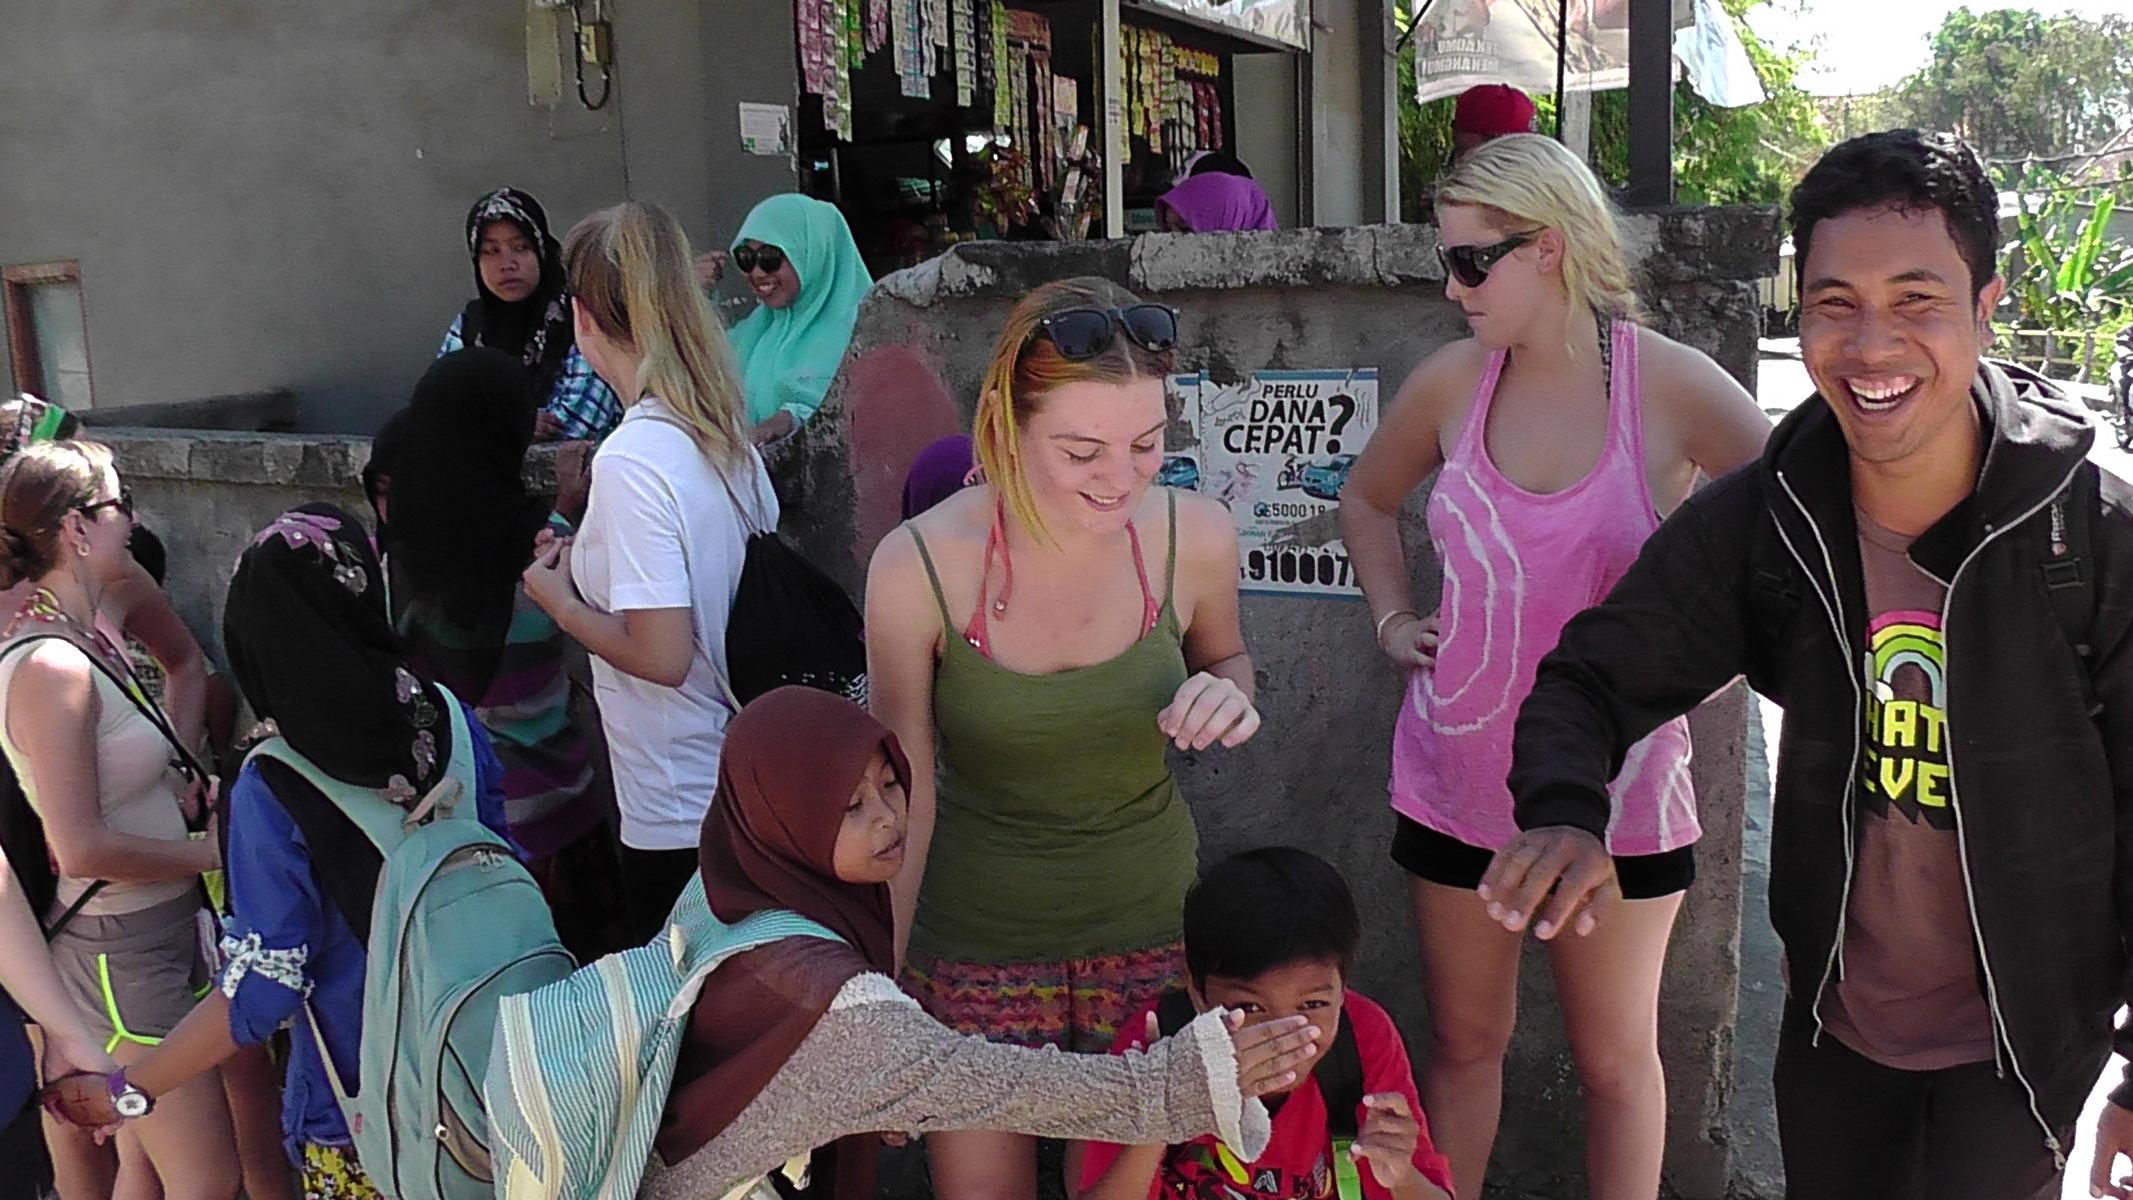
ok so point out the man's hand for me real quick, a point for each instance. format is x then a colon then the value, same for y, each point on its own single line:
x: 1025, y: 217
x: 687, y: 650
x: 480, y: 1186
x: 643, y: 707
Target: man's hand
x: 2114, y: 1136
x: 1564, y: 867
x: 547, y: 426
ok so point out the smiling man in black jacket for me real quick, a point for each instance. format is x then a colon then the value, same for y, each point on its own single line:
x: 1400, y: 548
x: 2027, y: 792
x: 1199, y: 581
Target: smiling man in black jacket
x: 1929, y: 576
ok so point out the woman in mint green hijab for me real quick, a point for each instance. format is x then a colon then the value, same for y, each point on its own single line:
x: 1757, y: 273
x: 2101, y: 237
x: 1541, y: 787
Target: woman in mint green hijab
x: 799, y: 257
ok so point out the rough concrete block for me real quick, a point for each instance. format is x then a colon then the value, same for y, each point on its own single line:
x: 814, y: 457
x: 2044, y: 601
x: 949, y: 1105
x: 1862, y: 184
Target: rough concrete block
x: 229, y: 458
x: 145, y: 455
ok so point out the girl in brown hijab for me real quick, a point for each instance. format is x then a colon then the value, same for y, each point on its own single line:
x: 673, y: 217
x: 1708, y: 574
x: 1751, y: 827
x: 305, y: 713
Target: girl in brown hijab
x: 806, y: 1042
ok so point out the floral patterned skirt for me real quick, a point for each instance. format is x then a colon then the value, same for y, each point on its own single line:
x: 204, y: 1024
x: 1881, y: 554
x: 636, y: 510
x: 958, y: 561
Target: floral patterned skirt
x: 1076, y: 1004
x: 332, y: 1173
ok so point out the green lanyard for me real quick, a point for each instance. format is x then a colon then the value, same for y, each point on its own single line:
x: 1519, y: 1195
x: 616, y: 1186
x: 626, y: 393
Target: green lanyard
x: 1347, y: 1177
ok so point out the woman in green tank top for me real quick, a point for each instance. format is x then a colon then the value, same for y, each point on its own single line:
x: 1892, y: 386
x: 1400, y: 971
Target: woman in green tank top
x: 1037, y: 643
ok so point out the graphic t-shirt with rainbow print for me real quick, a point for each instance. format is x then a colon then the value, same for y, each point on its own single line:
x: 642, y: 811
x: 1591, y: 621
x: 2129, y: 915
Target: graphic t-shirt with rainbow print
x: 1909, y: 995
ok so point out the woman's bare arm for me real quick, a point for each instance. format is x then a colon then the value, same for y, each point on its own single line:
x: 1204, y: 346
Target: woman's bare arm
x: 904, y: 629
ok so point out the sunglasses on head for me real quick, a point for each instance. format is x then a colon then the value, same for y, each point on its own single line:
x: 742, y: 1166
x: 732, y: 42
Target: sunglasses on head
x: 748, y: 258
x: 122, y: 502
x: 1470, y: 265
x: 1081, y: 333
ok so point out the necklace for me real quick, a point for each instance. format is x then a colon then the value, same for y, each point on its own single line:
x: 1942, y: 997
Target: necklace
x: 44, y: 606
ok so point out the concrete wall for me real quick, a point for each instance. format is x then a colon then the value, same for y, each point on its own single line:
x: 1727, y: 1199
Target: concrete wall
x: 267, y: 195
x: 1315, y: 777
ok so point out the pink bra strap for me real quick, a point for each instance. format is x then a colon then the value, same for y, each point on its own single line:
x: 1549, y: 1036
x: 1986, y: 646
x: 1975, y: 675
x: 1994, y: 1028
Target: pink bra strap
x: 1150, y: 610
x: 979, y: 635
x: 976, y: 632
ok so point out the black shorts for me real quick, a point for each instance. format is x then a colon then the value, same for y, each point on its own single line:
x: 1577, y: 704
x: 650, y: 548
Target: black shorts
x: 1443, y: 859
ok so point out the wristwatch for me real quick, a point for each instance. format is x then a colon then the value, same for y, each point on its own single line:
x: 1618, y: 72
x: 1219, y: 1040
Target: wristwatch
x: 130, y: 1102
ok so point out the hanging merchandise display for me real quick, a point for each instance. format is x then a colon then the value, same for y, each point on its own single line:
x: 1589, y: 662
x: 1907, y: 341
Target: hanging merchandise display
x: 998, y: 70
x: 1173, y: 94
x: 965, y: 52
x: 907, y: 33
x: 877, y: 25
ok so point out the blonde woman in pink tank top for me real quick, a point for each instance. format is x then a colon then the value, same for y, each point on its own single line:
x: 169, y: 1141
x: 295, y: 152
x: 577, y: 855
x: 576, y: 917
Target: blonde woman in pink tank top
x: 1564, y: 431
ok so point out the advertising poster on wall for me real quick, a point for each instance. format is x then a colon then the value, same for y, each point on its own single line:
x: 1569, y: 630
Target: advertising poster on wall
x: 1277, y: 449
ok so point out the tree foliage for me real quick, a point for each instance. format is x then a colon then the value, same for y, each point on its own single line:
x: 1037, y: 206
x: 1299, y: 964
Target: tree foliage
x: 1721, y: 155
x: 2016, y: 83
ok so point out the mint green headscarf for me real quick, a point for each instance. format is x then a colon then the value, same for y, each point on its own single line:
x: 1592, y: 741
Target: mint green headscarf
x: 788, y: 356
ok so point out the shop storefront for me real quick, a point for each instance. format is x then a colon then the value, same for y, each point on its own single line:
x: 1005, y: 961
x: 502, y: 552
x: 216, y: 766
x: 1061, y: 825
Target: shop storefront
x: 936, y: 121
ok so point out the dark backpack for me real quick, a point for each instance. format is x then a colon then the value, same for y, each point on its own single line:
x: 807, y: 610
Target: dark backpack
x: 1339, y: 1075
x: 791, y: 623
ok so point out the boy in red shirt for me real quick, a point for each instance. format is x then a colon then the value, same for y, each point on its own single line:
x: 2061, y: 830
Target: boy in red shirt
x: 1273, y: 933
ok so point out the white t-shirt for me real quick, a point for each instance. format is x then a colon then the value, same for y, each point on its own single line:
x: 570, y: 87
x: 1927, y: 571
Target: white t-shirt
x: 660, y: 532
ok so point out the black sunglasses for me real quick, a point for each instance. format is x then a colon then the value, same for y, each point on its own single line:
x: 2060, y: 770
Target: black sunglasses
x: 122, y: 502
x: 1083, y: 333
x: 1470, y: 265
x: 748, y: 258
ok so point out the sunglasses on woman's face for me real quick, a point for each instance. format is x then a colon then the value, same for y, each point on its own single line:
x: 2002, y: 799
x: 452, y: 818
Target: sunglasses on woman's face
x: 770, y: 258
x: 1470, y: 265
x: 122, y: 502
x: 1082, y: 333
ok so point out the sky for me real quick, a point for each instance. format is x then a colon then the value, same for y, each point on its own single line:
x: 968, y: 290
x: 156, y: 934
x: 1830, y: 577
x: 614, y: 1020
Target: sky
x: 1866, y: 45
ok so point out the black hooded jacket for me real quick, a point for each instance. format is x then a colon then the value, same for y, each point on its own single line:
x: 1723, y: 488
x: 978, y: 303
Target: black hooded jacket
x: 1759, y: 575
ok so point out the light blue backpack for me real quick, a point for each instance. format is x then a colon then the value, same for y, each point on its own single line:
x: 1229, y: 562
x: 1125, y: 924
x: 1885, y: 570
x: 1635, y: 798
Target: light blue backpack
x: 457, y: 924
x: 579, y: 1076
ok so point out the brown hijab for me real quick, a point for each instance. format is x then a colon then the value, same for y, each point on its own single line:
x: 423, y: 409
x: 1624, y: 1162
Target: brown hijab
x: 791, y: 761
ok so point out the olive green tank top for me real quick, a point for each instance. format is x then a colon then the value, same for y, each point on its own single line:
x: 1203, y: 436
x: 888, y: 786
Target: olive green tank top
x: 1059, y: 831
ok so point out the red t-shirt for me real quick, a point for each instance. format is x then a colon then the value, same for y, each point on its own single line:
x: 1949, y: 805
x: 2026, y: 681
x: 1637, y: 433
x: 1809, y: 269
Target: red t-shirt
x: 1298, y: 1163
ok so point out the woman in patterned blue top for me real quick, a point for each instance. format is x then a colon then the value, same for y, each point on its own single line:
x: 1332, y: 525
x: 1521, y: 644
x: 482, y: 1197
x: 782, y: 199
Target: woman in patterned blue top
x: 310, y: 644
x: 522, y: 307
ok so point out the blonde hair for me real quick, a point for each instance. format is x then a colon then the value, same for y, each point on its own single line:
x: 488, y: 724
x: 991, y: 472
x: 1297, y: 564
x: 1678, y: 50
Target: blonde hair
x: 39, y: 486
x: 1528, y: 179
x: 629, y: 269
x: 1026, y: 366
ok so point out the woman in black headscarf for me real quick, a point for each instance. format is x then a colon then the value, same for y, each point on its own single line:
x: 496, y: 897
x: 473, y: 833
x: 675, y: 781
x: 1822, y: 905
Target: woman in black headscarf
x: 310, y: 644
x: 457, y: 526
x: 522, y: 308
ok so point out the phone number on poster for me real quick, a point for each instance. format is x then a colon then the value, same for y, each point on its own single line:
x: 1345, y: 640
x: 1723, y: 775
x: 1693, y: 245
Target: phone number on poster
x: 1289, y: 564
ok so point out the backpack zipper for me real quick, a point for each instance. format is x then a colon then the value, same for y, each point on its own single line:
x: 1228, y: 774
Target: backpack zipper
x: 447, y: 1117
x: 1833, y: 605
x: 1962, y: 844
x: 407, y: 917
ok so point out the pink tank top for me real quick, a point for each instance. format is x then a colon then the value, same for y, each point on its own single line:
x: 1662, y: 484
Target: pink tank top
x: 1517, y: 566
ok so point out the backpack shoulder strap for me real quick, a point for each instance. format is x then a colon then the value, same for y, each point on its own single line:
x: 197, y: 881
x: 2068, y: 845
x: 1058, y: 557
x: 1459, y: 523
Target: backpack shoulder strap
x: 1340, y: 1079
x: 1174, y: 1011
x: 2069, y: 569
x: 1340, y: 1085
x: 385, y: 823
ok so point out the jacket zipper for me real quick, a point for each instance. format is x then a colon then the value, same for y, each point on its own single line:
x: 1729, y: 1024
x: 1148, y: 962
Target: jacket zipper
x: 1833, y: 605
x: 1962, y: 843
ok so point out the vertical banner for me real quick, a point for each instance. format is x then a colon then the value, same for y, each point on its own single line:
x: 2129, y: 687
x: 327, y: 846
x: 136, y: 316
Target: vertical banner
x: 1277, y: 449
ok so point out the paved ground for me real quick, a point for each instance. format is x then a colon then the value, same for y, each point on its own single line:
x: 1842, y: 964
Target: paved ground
x: 1758, y: 1171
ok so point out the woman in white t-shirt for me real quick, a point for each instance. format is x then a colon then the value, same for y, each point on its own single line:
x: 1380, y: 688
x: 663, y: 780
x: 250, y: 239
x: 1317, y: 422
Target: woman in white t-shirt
x: 648, y: 582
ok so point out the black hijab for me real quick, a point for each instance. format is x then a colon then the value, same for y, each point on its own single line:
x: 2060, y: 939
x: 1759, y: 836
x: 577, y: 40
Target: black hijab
x: 459, y: 524
x: 537, y: 330
x: 313, y: 652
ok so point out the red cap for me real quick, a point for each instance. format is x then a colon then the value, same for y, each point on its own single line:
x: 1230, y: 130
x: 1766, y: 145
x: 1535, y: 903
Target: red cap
x: 1493, y: 110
